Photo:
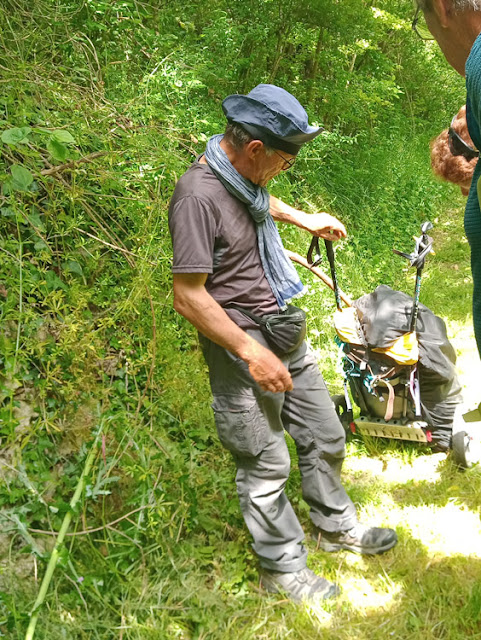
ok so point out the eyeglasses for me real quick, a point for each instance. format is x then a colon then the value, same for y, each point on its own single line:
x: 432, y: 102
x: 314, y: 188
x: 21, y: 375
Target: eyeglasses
x: 458, y: 146
x: 420, y: 27
x: 289, y: 161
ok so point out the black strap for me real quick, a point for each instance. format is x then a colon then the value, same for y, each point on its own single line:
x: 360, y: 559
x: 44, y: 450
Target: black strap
x: 313, y: 254
x: 330, y: 257
x: 257, y: 319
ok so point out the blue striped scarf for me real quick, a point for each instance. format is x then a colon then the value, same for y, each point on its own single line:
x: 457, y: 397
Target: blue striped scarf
x: 279, y: 271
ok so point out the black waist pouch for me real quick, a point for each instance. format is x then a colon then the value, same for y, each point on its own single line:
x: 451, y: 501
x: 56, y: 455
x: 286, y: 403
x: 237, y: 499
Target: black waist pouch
x: 284, y: 331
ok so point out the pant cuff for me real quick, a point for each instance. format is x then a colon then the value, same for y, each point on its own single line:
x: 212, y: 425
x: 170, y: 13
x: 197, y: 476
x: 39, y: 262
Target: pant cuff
x: 334, y: 525
x: 289, y: 566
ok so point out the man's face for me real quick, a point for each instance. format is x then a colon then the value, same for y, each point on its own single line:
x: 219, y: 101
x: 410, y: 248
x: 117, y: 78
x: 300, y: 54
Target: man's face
x: 269, y: 165
x: 450, y: 38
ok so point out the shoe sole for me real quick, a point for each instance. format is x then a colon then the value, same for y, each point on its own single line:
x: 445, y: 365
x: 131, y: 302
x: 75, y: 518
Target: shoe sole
x: 331, y: 547
x: 332, y: 592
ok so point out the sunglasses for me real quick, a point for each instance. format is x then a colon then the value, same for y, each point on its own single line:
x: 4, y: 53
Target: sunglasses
x: 419, y: 26
x: 458, y: 146
x: 288, y: 161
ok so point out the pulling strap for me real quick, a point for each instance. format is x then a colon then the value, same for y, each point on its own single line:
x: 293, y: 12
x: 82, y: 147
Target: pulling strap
x: 390, y: 402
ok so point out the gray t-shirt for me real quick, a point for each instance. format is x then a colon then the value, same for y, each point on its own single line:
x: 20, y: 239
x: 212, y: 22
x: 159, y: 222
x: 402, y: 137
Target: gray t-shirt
x: 213, y: 232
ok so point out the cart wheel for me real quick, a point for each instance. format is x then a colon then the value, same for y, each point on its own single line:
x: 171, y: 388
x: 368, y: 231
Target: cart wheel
x: 340, y: 405
x: 464, y: 453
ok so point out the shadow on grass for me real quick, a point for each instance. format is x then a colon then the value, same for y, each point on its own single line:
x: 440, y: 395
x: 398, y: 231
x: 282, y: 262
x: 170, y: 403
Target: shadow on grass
x: 454, y: 486
x: 408, y: 593
x: 424, y: 478
x: 412, y: 593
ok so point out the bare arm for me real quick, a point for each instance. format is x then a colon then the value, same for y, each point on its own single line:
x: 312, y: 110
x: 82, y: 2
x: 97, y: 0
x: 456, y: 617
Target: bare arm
x: 192, y: 301
x: 319, y: 224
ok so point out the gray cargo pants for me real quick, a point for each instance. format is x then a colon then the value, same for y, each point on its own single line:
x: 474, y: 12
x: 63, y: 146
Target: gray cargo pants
x: 251, y: 422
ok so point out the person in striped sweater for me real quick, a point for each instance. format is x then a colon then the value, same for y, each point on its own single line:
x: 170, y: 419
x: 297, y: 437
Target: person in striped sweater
x: 456, y: 26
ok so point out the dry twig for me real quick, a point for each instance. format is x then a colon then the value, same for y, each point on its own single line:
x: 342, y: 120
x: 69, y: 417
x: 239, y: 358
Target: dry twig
x: 73, y: 163
x: 109, y: 525
x: 112, y: 246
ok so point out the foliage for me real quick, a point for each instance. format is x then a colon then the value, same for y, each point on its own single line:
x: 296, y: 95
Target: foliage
x: 104, y: 104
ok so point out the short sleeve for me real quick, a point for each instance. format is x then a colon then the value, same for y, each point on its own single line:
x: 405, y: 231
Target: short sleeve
x: 193, y: 229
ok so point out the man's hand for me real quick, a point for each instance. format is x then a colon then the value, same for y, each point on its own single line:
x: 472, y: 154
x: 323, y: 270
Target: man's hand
x: 266, y: 368
x: 324, y: 225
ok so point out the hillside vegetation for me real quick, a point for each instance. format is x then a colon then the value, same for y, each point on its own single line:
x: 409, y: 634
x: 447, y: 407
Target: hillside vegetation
x: 103, y: 105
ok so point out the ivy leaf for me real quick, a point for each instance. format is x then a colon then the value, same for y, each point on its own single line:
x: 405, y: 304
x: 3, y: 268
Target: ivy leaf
x: 37, y: 221
x: 60, y: 135
x: 21, y: 177
x: 40, y: 245
x: 53, y: 281
x: 17, y: 135
x: 57, y: 149
x: 72, y: 266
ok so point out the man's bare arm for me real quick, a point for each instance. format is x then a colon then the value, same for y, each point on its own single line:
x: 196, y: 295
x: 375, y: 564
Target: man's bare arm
x: 192, y: 301
x: 319, y: 224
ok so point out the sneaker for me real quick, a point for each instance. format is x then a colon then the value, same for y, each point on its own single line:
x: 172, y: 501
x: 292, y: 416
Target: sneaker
x: 467, y: 437
x: 300, y: 585
x: 360, y: 539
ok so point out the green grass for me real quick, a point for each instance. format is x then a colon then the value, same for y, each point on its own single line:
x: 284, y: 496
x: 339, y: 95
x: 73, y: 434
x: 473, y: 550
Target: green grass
x: 427, y: 587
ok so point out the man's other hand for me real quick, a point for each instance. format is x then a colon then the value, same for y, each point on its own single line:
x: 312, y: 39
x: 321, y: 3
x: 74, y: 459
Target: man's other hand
x: 266, y: 369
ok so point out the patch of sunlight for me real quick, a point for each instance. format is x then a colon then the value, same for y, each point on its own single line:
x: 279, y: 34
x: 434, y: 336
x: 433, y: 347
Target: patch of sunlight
x: 450, y: 530
x: 365, y: 596
x: 175, y: 630
x: 395, y: 470
x: 317, y: 613
x: 66, y: 616
x: 468, y: 365
x: 352, y: 560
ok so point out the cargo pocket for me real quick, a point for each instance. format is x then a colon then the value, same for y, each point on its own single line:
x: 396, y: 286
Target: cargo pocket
x: 241, y: 426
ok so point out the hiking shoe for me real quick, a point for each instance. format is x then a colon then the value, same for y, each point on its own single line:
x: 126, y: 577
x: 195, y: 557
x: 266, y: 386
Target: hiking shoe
x: 300, y: 585
x: 360, y: 539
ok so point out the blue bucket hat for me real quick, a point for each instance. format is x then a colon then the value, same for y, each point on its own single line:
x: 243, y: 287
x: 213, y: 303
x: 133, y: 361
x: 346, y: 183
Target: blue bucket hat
x: 272, y: 115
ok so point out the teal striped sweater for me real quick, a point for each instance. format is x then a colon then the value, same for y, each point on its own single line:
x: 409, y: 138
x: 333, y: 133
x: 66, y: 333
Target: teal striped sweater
x: 472, y: 214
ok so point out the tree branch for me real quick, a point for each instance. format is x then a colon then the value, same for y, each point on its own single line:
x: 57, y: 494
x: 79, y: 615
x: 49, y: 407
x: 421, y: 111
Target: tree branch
x: 295, y: 257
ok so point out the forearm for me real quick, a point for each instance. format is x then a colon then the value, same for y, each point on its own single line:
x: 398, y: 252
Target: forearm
x: 192, y: 300
x: 208, y: 317
x: 320, y: 224
x: 282, y: 212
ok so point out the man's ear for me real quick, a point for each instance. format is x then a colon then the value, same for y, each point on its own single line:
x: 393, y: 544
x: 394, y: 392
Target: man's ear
x: 443, y: 10
x: 253, y: 149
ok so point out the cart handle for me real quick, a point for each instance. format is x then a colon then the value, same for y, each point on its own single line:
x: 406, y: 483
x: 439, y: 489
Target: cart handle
x: 295, y: 257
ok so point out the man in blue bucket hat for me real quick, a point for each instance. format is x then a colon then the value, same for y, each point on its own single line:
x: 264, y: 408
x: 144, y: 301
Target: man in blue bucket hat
x: 233, y: 282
